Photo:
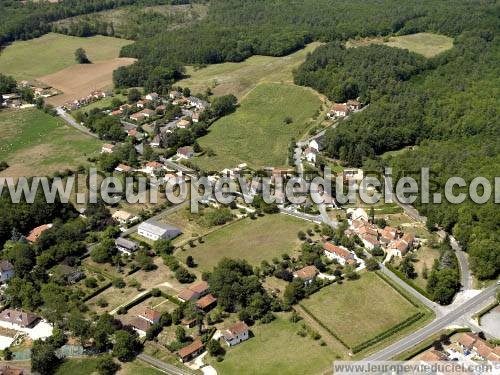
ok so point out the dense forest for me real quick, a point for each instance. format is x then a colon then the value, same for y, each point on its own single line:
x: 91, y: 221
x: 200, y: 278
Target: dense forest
x: 449, y: 110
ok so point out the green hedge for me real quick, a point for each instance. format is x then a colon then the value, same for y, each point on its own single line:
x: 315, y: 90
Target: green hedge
x: 97, y: 291
x: 409, y: 282
x: 381, y: 336
x: 324, y: 326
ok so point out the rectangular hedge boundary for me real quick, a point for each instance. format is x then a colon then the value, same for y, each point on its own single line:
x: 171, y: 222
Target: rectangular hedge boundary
x: 324, y: 326
x: 97, y: 291
x: 381, y: 336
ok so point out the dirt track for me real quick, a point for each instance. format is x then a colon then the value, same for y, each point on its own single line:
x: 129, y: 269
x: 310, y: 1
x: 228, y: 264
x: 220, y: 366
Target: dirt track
x: 79, y: 80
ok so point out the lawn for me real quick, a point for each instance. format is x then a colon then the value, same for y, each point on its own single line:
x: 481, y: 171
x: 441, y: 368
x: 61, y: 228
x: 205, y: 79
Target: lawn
x: 52, y: 52
x: 35, y: 143
x: 239, y: 78
x: 254, y: 240
x: 257, y: 133
x: 275, y: 348
x: 359, y: 310
x: 426, y: 44
x: 80, y: 366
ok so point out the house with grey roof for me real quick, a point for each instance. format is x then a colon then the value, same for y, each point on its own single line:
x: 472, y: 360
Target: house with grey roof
x: 126, y: 246
x: 6, y: 270
x: 155, y: 230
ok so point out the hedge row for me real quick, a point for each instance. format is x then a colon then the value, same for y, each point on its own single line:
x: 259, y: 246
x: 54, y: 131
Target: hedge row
x: 97, y: 291
x: 410, y: 283
x: 324, y: 326
x: 381, y: 336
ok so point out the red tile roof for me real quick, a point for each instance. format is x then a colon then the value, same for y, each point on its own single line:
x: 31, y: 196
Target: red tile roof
x: 36, y: 232
x: 192, y: 348
x: 199, y: 287
x: 306, y: 273
x: 331, y: 248
x: 206, y: 301
x: 151, y: 314
x: 236, y: 329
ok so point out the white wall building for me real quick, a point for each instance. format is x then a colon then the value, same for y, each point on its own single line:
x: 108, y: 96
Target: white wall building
x: 155, y: 230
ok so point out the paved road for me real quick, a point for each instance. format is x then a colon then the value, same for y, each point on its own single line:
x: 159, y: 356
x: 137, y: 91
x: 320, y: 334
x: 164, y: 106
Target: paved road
x: 165, y: 367
x: 438, y: 310
x: 463, y: 262
x: 437, y: 325
x: 71, y: 122
x: 178, y: 167
x: 301, y: 215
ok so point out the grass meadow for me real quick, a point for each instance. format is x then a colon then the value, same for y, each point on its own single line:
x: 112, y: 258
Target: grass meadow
x: 35, y: 143
x: 257, y: 133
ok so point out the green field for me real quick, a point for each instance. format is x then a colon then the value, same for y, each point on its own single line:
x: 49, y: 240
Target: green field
x: 359, y: 310
x: 277, y: 349
x: 86, y: 366
x: 426, y: 44
x: 239, y: 78
x: 254, y: 240
x: 52, y: 52
x: 256, y: 133
x: 35, y: 143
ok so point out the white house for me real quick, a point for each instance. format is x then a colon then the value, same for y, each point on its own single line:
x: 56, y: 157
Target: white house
x: 150, y: 315
x: 124, y: 217
x: 152, y: 96
x: 306, y: 274
x: 338, y: 253
x: 185, y: 152
x: 235, y: 334
x: 339, y: 110
x: 153, y: 167
x: 6, y: 270
x: 315, y: 145
x: 198, y: 103
x: 155, y: 230
x: 310, y: 154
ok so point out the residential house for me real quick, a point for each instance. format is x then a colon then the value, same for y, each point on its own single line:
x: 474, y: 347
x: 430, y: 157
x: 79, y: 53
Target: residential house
x: 353, y: 174
x: 195, y: 117
x: 473, y: 344
x: 180, y: 101
x: 6, y: 271
x: 152, y: 96
x: 315, y: 144
x: 410, y: 240
x: 141, y: 103
x: 191, y: 351
x: 116, y: 112
x: 123, y: 168
x: 174, y: 94
x: 183, y: 124
x: 198, y: 103
x: 139, y: 116
x: 338, y: 253
x: 310, y: 154
x: 193, y: 292
x: 37, y: 232
x: 235, y: 334
x: 150, y: 315
x: 398, y: 247
x: 154, y: 230
x: 353, y: 105
x: 15, y: 319
x: 124, y: 217
x: 338, y: 110
x: 206, y: 303
x: 140, y: 325
x: 185, y: 152
x: 148, y: 112
x: 107, y: 148
x: 126, y: 246
x: 156, y: 141
x: 70, y: 275
x: 188, y: 322
x: 124, y: 107
x: 306, y: 274
x: 153, y: 167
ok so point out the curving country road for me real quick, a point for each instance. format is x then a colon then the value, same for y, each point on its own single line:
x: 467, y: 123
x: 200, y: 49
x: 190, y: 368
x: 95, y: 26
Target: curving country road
x: 71, y: 122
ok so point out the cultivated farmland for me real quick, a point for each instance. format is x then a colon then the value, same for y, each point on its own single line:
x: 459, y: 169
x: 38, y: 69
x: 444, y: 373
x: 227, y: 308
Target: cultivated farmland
x: 257, y: 133
x: 52, y: 52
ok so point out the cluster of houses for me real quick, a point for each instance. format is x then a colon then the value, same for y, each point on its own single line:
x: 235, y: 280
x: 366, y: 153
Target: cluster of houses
x: 339, y: 110
x: 40, y: 89
x: 393, y: 240
x: 86, y: 100
x: 467, y: 353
